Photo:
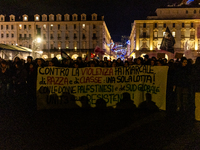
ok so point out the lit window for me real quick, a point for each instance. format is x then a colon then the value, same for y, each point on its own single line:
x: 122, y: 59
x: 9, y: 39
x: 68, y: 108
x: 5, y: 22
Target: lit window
x: 52, y: 55
x: 37, y: 18
x: 20, y: 26
x: 25, y: 18
x: 75, y: 48
x: 173, y: 33
x: 83, y: 26
x: 155, y: 34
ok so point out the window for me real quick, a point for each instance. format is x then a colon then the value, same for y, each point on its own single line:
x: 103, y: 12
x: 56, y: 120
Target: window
x: 83, y: 26
x: 20, y: 35
x: 144, y: 34
x: 186, y: 11
x: 58, y: 27
x: 173, y: 33
x: 52, y: 48
x: 94, y: 26
x: 195, y: 11
x: 192, y: 25
x: 74, y: 26
x: 66, y: 27
x: 144, y: 25
x: 164, y: 25
x: 155, y: 34
x: 183, y: 25
x: 7, y: 35
x: 12, y: 27
x: 44, y: 36
x: 1, y: 35
x: 84, y: 36
x: 51, y: 36
x: 75, y: 36
x: 25, y: 35
x: 1, y: 18
x: 20, y: 26
x: 1, y: 27
x: 25, y: 18
x: 6, y: 27
x: 155, y: 25
x: 24, y: 26
x: 29, y: 35
x: 12, y: 35
x: 173, y: 25
x: 37, y: 18
x: 29, y: 27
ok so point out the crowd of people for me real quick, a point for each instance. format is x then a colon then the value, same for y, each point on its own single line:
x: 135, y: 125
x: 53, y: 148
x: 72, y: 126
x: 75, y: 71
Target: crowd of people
x: 18, y: 77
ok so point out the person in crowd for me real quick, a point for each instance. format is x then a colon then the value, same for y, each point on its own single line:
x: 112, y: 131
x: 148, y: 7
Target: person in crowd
x: 126, y: 64
x: 101, y: 63
x: 159, y: 63
x: 114, y: 64
x: 92, y: 64
x: 109, y: 64
x: 148, y: 105
x: 152, y: 62
x: 139, y: 61
x: 19, y: 79
x: 181, y: 85
x: 80, y: 62
x: 29, y: 60
x: 39, y: 62
x: 146, y: 60
x: 100, y: 104
x: 85, y: 102
x: 126, y: 102
x: 5, y: 79
x: 119, y: 62
x: 105, y: 64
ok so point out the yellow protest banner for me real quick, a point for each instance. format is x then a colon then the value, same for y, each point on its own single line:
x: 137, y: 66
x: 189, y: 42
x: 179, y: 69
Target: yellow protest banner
x: 96, y: 83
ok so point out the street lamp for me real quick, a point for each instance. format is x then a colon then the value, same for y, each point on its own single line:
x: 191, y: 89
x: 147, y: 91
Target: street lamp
x: 38, y: 40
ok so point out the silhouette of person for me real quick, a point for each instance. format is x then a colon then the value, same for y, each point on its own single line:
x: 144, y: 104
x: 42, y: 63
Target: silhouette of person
x: 85, y: 102
x: 100, y: 104
x: 69, y: 100
x: 148, y: 105
x: 126, y: 102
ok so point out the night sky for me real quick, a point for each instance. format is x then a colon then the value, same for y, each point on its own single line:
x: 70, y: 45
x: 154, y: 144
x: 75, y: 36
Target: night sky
x: 118, y: 14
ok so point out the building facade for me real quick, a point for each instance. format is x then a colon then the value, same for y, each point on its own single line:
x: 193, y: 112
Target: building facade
x: 184, y: 24
x: 77, y: 35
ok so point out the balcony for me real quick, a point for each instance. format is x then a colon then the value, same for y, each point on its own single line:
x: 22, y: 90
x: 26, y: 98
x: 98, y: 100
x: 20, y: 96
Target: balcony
x: 51, y: 38
x: 67, y: 38
x: 182, y: 36
x: 94, y: 38
x: 25, y: 38
x: 147, y: 36
x: 59, y: 38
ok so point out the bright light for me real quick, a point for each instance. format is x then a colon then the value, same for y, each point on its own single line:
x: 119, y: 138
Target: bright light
x: 25, y: 18
x: 37, y: 18
x: 51, y: 25
x: 40, y: 52
x: 83, y: 26
x: 16, y: 44
x: 38, y: 40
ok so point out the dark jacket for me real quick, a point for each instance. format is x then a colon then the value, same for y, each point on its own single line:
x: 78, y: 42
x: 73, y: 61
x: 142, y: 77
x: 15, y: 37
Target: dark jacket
x: 181, y: 77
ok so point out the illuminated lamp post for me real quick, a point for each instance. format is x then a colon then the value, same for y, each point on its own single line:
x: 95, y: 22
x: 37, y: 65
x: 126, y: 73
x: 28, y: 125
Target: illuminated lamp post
x: 38, y: 40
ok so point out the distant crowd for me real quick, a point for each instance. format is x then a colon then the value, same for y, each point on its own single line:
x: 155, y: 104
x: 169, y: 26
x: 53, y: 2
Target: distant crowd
x: 18, y: 77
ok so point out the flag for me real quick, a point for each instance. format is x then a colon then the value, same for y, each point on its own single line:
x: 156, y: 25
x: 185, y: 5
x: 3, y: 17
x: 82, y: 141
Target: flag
x: 64, y: 54
x: 168, y: 42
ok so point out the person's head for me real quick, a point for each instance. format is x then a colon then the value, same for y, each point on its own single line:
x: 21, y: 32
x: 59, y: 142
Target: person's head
x: 126, y: 64
x: 105, y: 59
x: 126, y: 96
x: 152, y: 63
x: 139, y: 61
x: 105, y: 64
x: 197, y: 62
x: 39, y: 62
x: 158, y: 63
x: 114, y: 64
x: 3, y: 64
x: 109, y: 64
x: 16, y: 59
x: 18, y: 65
x: 119, y: 60
x: 146, y: 57
x: 29, y: 59
x: 92, y: 64
x: 184, y: 61
x: 79, y: 59
x: 76, y: 65
x: 51, y: 63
